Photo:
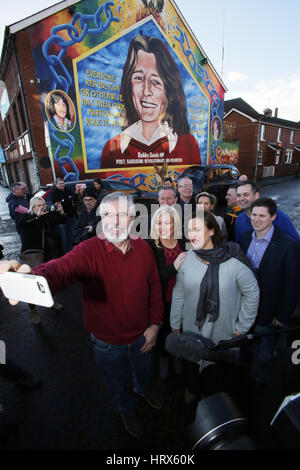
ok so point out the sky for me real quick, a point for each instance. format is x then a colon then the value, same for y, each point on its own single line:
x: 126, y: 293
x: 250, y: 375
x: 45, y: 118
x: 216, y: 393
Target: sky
x: 260, y: 38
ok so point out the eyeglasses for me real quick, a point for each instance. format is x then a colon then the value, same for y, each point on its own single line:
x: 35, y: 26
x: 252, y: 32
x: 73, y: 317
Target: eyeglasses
x: 185, y: 186
x: 111, y: 215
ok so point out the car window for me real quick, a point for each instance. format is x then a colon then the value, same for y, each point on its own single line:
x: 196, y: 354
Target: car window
x: 235, y: 173
x: 195, y: 172
x: 218, y: 175
x: 210, y: 176
x: 118, y: 185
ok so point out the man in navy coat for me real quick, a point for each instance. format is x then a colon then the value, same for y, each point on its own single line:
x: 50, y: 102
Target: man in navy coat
x: 247, y: 193
x: 275, y: 256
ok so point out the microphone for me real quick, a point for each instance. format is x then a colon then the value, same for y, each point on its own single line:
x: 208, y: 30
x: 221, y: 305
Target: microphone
x: 244, y: 339
x: 195, y: 348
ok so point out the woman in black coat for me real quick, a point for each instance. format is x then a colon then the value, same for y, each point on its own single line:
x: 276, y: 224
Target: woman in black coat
x: 169, y: 250
x: 40, y: 231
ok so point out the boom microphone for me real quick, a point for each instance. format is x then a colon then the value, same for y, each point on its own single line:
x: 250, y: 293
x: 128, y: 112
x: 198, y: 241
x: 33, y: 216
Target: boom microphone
x: 195, y: 348
x: 244, y: 339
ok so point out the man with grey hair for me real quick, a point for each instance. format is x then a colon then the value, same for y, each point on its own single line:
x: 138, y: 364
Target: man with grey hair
x: 122, y: 302
x: 167, y: 196
x: 185, y: 190
x: 18, y: 204
x: 186, y: 200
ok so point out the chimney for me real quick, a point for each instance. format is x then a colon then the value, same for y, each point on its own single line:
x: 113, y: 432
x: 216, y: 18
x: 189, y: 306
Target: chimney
x: 276, y: 112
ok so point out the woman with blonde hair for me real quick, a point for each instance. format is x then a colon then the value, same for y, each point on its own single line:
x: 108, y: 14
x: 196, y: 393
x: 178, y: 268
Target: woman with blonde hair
x: 168, y: 247
x: 209, y: 203
x: 40, y: 234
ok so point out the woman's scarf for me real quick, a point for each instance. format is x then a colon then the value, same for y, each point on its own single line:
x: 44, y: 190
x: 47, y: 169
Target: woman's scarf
x: 209, y: 302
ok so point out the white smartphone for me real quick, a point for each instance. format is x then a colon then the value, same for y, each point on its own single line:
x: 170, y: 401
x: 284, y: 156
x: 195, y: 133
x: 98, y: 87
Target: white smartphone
x: 26, y: 288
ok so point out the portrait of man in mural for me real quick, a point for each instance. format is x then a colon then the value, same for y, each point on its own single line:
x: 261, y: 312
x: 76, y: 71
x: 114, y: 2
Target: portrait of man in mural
x: 156, y: 127
x: 60, y: 111
x: 216, y: 128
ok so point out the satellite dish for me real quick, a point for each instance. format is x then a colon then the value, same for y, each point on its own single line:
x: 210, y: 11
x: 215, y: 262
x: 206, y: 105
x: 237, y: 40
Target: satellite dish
x: 267, y: 112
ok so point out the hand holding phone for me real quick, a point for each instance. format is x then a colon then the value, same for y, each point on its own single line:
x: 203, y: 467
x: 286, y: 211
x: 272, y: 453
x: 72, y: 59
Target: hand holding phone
x: 22, y: 287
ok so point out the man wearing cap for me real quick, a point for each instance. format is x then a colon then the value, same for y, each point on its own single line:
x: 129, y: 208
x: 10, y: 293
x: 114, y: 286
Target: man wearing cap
x: 85, y: 225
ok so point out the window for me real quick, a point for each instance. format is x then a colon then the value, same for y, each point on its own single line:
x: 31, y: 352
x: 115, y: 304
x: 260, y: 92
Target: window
x: 21, y: 149
x: 16, y: 119
x: 4, y: 104
x: 235, y: 174
x: 219, y: 174
x: 292, y: 137
x: 262, y: 132
x: 279, y: 135
x: 277, y: 156
x: 259, y: 157
x: 288, y: 156
x: 21, y: 112
x: 27, y: 143
x: 10, y: 132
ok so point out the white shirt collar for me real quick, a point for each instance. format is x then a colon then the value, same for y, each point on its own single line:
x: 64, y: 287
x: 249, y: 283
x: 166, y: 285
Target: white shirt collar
x: 135, y: 131
x: 62, y: 126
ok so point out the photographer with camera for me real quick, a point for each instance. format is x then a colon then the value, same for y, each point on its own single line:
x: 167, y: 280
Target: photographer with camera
x: 41, y: 238
x: 87, y: 221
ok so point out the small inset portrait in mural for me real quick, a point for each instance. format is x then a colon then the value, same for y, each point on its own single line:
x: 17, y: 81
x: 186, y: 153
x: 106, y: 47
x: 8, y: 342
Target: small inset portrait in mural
x: 156, y: 124
x: 219, y: 154
x: 60, y: 111
x: 216, y: 128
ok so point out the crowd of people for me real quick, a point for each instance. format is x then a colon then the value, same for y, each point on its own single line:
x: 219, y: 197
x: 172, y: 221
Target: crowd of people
x: 197, y: 273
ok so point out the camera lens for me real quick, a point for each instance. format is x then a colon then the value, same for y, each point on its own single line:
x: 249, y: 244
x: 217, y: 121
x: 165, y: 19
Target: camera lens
x: 219, y: 425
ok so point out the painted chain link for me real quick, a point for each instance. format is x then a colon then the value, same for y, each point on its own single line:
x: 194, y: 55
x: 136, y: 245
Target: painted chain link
x: 61, y: 77
x: 203, y: 76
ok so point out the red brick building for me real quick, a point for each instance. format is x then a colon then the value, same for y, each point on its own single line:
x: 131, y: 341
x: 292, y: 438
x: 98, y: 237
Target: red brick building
x: 268, y: 145
x: 22, y: 135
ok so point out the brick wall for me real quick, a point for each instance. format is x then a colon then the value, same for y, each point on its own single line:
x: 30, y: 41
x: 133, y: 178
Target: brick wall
x: 246, y: 133
x: 32, y: 97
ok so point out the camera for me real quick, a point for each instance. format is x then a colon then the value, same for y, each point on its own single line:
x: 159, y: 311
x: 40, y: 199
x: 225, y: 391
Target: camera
x: 218, y: 425
x: 51, y: 207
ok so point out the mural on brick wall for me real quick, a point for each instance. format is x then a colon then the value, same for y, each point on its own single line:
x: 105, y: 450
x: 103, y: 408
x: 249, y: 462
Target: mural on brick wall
x: 125, y: 90
x: 230, y: 152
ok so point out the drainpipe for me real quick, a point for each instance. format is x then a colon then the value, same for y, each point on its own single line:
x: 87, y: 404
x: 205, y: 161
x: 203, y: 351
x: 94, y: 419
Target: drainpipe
x: 257, y: 149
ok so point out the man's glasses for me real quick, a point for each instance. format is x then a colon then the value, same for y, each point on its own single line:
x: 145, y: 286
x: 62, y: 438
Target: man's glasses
x: 111, y: 215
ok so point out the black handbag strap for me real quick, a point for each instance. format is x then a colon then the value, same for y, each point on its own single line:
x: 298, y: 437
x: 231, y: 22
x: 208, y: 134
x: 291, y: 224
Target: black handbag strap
x: 43, y: 238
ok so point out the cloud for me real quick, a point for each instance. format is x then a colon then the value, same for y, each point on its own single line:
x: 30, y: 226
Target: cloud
x: 282, y: 93
x: 234, y: 77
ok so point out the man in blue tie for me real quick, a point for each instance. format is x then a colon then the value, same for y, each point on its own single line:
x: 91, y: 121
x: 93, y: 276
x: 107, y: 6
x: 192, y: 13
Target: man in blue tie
x: 275, y: 257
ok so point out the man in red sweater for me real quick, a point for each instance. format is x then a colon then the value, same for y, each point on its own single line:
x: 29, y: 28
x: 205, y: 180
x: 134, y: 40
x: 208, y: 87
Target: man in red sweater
x: 122, y: 302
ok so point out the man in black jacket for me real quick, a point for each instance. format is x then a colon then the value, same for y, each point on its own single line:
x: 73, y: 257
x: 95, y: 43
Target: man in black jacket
x: 275, y: 256
x: 86, y: 224
x: 67, y: 199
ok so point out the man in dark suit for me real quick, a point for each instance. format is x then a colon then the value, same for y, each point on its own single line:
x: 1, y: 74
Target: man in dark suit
x: 275, y: 257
